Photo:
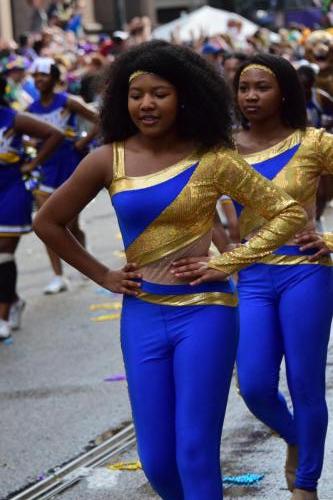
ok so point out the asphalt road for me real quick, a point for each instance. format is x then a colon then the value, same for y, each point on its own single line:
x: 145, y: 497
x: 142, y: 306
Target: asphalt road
x: 54, y: 399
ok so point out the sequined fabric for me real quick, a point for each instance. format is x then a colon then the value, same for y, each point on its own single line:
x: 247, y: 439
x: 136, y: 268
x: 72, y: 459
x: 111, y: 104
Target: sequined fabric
x: 328, y: 238
x: 282, y: 215
x: 191, y: 214
x: 299, y: 178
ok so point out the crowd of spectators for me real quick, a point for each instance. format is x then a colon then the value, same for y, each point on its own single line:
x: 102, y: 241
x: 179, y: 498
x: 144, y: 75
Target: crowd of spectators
x: 58, y: 32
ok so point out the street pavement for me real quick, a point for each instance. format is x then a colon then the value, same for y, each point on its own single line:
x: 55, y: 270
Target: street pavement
x: 54, y: 400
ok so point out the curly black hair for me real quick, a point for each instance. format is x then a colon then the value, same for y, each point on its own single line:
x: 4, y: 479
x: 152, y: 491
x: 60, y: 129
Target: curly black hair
x: 205, y: 103
x: 293, y: 108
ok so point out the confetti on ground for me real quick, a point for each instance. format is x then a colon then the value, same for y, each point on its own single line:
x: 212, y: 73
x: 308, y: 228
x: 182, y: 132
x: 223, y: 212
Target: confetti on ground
x: 107, y: 305
x: 115, y: 378
x: 8, y: 341
x: 125, y: 466
x: 244, y: 479
x: 106, y: 317
x: 118, y: 253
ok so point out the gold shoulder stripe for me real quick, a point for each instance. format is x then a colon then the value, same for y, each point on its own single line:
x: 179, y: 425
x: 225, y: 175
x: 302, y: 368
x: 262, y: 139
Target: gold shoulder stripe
x: 118, y: 161
x: 282, y: 146
x: 127, y: 183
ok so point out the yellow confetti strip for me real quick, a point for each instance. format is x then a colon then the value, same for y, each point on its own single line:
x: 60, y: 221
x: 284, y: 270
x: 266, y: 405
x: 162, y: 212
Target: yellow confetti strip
x: 107, y: 305
x: 125, y: 466
x: 106, y: 317
x: 118, y: 253
x: 118, y: 235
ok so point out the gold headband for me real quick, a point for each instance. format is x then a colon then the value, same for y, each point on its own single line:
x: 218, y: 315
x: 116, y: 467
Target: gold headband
x: 258, y: 66
x: 136, y: 74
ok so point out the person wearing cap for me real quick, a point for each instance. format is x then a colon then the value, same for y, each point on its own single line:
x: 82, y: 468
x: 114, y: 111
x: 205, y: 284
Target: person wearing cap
x: 62, y: 110
x: 213, y: 54
x: 18, y: 82
x: 115, y: 45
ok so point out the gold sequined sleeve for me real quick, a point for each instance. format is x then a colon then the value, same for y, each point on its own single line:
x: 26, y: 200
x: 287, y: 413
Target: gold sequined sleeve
x: 328, y: 239
x: 324, y: 146
x: 284, y: 215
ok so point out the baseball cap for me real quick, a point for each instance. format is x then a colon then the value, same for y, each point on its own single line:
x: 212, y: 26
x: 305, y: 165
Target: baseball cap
x: 209, y: 48
x: 17, y: 62
x: 120, y: 35
x: 42, y: 65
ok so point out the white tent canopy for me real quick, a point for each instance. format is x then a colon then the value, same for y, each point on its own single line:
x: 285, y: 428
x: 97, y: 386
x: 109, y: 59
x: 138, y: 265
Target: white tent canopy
x: 206, y: 21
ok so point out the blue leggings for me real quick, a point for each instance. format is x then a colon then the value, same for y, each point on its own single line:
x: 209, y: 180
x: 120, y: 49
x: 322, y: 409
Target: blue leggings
x: 179, y: 362
x: 286, y: 310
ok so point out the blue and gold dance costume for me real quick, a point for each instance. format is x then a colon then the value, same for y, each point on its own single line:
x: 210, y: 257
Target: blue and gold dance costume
x: 62, y: 163
x: 15, y: 200
x: 179, y: 341
x: 286, y: 310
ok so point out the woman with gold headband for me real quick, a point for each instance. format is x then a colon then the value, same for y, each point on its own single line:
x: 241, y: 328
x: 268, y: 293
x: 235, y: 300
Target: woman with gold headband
x: 285, y: 300
x: 167, y: 159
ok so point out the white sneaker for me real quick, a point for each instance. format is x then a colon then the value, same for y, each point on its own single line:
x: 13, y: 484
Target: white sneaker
x: 57, y: 284
x: 15, y: 314
x: 4, y: 329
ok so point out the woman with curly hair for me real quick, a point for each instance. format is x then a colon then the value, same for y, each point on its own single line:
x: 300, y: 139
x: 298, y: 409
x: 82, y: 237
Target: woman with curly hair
x: 286, y: 299
x: 168, y: 157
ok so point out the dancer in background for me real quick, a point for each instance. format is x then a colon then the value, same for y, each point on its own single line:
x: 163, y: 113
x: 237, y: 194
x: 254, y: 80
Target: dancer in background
x: 15, y: 199
x: 60, y: 109
x: 286, y: 300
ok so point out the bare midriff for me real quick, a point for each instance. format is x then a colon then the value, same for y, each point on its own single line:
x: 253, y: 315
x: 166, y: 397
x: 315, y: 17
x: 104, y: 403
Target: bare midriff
x: 160, y: 271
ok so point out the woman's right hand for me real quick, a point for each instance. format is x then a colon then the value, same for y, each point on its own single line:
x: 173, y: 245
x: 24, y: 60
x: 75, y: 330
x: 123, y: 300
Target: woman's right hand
x: 122, y: 281
x: 309, y: 239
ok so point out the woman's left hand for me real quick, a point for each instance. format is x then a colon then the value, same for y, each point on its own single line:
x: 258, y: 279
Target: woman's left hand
x: 197, y: 270
x: 27, y: 167
x: 311, y: 239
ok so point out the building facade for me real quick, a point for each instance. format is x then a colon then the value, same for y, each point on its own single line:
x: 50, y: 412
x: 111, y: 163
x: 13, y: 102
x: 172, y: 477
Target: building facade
x: 15, y: 15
